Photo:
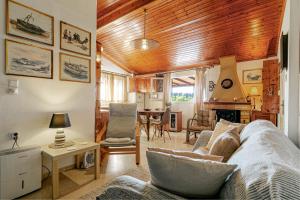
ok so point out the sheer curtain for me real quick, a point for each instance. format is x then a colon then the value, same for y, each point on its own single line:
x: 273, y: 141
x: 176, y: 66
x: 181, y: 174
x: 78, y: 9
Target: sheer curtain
x: 167, y: 88
x: 113, y: 89
x: 200, y: 89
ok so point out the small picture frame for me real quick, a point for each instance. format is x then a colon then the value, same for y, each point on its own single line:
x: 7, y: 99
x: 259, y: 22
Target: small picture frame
x: 28, y: 60
x: 28, y: 23
x: 252, y: 76
x: 75, y: 39
x: 74, y: 68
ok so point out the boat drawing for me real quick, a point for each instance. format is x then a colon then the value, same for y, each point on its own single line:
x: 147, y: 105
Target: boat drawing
x: 25, y: 64
x: 76, y: 70
x: 253, y: 77
x: 27, y: 25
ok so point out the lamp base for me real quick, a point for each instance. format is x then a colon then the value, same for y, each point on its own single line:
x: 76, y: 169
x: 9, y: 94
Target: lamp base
x: 60, y: 140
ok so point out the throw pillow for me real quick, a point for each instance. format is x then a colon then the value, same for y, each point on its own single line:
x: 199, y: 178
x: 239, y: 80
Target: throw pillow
x: 187, y: 177
x: 225, y: 144
x: 219, y: 129
x: 240, y: 125
x: 188, y: 154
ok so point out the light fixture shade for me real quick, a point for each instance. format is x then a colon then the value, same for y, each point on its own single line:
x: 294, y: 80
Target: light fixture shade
x: 60, y: 120
x: 144, y: 44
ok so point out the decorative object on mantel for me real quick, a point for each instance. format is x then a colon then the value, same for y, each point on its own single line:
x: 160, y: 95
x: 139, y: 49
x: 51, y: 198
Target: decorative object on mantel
x: 75, y: 39
x: 211, y: 86
x: 227, y: 83
x: 60, y: 121
x: 28, y: 60
x: 28, y: 23
x: 74, y: 68
x: 252, y: 76
x: 144, y: 43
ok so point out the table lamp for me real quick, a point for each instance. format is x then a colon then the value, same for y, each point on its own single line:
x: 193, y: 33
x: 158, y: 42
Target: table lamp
x: 60, y: 121
x: 254, y: 93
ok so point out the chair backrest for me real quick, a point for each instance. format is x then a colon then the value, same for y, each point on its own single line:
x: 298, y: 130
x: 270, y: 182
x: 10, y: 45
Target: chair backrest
x: 166, y: 116
x: 122, y: 120
x: 205, y: 117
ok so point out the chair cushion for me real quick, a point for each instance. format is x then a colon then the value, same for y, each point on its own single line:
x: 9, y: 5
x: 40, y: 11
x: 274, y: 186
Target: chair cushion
x: 195, y: 127
x: 188, y: 154
x: 104, y: 143
x: 225, y: 144
x: 192, y: 178
x: 203, y: 118
x: 118, y: 140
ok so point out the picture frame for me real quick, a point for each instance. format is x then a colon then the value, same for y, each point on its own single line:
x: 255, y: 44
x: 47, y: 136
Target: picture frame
x: 74, y: 68
x: 28, y: 60
x: 28, y: 23
x: 75, y: 39
x: 252, y: 76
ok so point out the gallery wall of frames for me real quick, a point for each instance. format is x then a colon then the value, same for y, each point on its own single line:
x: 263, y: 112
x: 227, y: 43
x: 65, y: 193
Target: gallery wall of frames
x: 24, y: 59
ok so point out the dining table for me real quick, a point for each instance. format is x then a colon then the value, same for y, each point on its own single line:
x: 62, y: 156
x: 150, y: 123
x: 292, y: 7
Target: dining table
x: 148, y: 113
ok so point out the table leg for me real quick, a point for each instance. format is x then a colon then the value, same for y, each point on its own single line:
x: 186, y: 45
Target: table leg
x: 148, y: 127
x: 55, y: 179
x: 97, y: 163
x: 77, y: 158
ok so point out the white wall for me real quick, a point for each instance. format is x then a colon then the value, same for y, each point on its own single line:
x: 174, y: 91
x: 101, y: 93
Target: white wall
x: 107, y: 65
x: 29, y: 112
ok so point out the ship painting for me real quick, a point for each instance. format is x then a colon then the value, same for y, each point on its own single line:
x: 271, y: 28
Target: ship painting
x: 77, y: 71
x: 75, y: 39
x: 253, y: 77
x: 29, y: 66
x: 27, y: 25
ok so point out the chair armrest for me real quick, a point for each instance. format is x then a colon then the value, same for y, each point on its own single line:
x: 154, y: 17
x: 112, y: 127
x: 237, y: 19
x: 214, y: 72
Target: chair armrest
x: 189, y: 122
x: 203, y: 139
x: 137, y: 130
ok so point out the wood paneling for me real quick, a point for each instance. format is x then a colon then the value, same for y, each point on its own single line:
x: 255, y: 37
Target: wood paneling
x: 191, y: 33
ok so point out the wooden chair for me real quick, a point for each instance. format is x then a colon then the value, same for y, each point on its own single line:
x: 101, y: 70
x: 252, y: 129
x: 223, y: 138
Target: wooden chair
x: 122, y: 135
x: 203, y: 120
x: 162, y: 125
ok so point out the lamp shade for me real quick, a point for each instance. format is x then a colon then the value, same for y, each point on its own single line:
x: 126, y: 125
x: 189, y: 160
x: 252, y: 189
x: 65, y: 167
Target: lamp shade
x: 60, y: 120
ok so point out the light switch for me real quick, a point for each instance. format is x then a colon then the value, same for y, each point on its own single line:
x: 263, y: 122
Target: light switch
x: 13, y: 86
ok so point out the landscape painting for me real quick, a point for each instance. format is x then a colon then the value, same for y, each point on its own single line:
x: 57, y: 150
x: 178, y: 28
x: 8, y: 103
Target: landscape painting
x: 75, y: 39
x: 74, y: 68
x: 28, y: 60
x: 252, y: 76
x: 25, y: 22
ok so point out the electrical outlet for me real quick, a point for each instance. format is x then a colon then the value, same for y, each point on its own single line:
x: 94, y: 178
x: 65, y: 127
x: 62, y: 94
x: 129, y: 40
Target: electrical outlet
x: 13, y: 136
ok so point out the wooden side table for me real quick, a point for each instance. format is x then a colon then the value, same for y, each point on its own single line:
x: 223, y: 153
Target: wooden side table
x: 56, y: 155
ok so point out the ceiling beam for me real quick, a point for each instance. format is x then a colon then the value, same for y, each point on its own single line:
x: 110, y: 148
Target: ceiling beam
x: 110, y: 8
x: 120, y: 11
x: 182, y: 81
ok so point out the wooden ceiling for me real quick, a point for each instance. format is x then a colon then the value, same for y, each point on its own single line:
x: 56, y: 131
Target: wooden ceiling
x: 191, y: 33
x: 183, y: 81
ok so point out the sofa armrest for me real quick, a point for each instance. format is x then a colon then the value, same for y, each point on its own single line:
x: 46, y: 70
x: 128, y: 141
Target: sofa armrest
x: 203, y: 139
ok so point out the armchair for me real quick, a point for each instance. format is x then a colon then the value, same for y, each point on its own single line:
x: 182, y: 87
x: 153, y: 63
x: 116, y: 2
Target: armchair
x: 123, y: 133
x: 203, y: 120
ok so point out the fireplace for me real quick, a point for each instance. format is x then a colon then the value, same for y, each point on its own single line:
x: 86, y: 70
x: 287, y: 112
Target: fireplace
x: 229, y: 115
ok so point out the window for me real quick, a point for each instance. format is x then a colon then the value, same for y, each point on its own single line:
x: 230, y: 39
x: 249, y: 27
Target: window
x: 113, y: 88
x: 183, y: 89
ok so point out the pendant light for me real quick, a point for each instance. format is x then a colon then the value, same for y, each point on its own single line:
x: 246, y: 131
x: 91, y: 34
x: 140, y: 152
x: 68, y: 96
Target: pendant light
x: 144, y: 43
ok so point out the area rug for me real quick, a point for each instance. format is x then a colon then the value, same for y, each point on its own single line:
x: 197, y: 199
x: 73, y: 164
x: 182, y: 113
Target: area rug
x: 139, y: 173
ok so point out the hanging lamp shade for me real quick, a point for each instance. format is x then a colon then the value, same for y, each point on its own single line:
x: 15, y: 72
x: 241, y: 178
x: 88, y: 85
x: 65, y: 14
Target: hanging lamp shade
x: 144, y: 43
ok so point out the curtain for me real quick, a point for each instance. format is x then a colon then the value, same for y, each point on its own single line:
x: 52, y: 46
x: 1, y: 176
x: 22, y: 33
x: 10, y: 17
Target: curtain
x: 200, y: 89
x: 167, y: 89
x: 113, y: 89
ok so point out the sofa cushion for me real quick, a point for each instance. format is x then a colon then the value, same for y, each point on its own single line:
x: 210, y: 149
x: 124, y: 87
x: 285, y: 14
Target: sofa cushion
x: 240, y: 125
x: 189, y: 154
x: 226, y: 144
x: 219, y: 129
x: 195, y: 178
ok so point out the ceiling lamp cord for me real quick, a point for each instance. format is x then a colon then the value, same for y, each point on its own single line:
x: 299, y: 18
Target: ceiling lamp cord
x: 145, y: 19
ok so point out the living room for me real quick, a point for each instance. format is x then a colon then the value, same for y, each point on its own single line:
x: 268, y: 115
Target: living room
x: 110, y: 99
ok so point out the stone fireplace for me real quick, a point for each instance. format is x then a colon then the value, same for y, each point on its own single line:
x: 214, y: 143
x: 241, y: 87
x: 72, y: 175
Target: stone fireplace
x: 228, y: 98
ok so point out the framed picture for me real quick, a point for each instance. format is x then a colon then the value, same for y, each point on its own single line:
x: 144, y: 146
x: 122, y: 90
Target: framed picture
x: 74, y: 68
x: 25, y: 22
x: 28, y: 60
x: 252, y: 76
x: 75, y: 39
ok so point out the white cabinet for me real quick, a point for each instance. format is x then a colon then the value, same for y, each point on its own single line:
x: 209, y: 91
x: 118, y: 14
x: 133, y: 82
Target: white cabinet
x: 20, y: 172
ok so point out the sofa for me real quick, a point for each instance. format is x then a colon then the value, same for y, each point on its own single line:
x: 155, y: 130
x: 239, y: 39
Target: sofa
x: 268, y: 168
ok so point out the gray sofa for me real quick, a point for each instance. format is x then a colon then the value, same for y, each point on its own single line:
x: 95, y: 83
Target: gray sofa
x: 268, y: 168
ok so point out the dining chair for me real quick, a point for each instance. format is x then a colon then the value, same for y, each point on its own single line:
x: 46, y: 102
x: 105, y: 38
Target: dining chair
x: 162, y: 125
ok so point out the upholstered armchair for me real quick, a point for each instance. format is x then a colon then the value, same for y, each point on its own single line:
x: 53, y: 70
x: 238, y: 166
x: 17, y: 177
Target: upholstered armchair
x: 203, y: 120
x: 122, y: 134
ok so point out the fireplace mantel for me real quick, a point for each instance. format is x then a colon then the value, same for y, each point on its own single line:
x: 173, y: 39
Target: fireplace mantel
x: 228, y: 106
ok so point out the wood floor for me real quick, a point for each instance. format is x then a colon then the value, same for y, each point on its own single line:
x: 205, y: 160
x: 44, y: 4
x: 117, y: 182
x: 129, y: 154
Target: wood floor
x: 75, y: 183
